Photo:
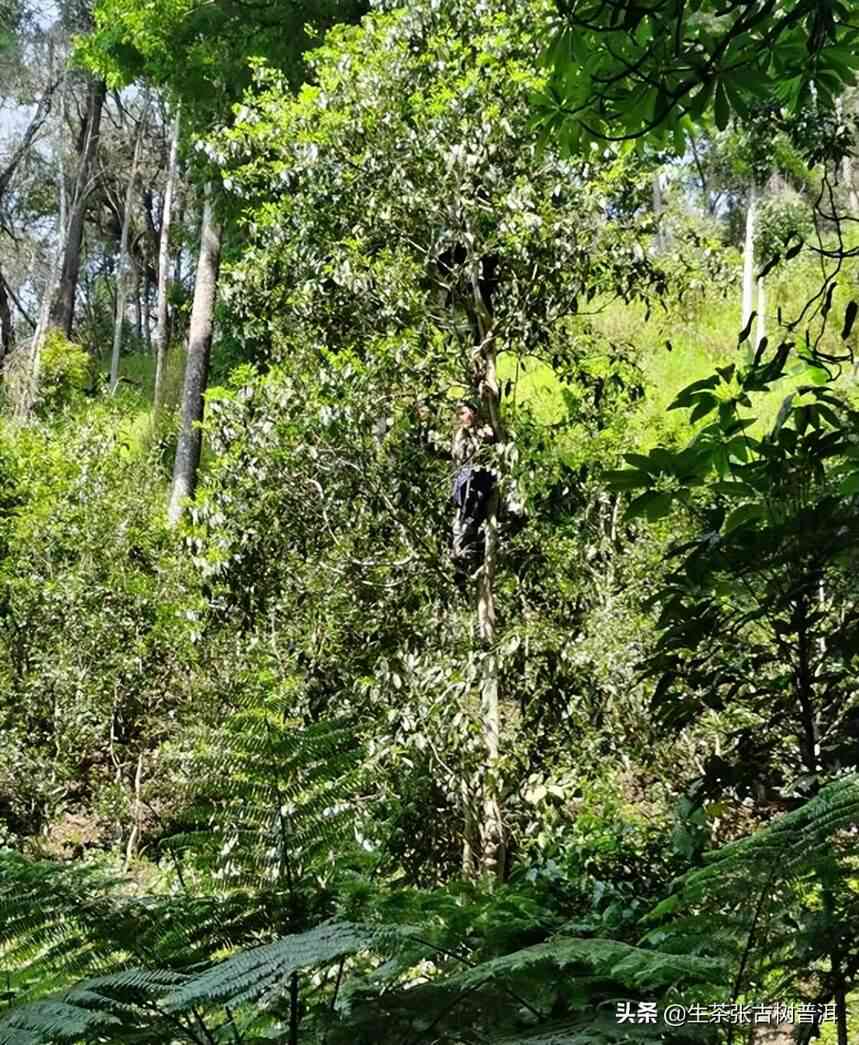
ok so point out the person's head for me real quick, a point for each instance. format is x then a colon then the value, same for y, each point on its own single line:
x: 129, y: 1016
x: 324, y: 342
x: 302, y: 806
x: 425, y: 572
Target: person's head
x: 467, y: 413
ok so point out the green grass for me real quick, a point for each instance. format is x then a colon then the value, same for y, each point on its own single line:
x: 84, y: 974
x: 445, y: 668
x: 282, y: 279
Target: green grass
x: 137, y: 381
x: 678, y: 347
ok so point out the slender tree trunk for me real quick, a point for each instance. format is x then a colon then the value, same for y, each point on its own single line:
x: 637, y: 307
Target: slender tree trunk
x: 137, y: 815
x: 492, y: 828
x: 63, y: 307
x: 471, y: 833
x: 164, y: 270
x: 182, y: 192
x: 43, y: 109
x: 705, y: 187
x: 805, y: 681
x: 749, y: 256
x: 293, y: 1009
x: 850, y: 185
x: 658, y: 208
x: 761, y: 322
x: 7, y: 329
x: 30, y: 391
x: 25, y: 315
x: 144, y: 309
x: 138, y: 307
x: 197, y: 366
x: 122, y: 271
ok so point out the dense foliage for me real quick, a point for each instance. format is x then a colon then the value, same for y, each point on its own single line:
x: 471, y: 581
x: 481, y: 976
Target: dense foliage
x: 280, y: 771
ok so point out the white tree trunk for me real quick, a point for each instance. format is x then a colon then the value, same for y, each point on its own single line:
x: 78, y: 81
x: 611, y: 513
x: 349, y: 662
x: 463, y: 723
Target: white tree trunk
x: 850, y: 186
x: 197, y: 366
x: 30, y: 391
x: 749, y: 257
x: 122, y: 271
x: 164, y: 269
x: 658, y: 208
x: 761, y: 322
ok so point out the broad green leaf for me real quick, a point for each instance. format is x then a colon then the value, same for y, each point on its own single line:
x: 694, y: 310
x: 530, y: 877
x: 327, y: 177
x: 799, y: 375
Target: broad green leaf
x: 742, y: 515
x: 626, y: 479
x: 849, y: 485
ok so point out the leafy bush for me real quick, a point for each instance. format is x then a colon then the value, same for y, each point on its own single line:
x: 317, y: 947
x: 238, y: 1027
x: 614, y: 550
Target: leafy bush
x: 782, y: 219
x: 91, y: 633
x: 66, y: 371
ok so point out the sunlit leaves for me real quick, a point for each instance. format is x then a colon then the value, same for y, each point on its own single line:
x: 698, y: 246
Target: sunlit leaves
x: 626, y: 73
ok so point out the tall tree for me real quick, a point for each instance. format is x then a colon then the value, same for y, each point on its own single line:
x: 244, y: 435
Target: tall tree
x: 200, y: 53
x: 164, y: 265
x: 123, y: 265
x: 190, y: 443
x: 7, y: 174
x: 426, y: 233
x: 63, y: 306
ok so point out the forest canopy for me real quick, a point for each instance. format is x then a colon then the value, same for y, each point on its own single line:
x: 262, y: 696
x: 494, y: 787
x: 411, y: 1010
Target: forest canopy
x: 429, y: 461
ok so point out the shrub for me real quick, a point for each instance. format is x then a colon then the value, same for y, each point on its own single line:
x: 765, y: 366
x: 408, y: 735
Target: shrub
x: 66, y: 371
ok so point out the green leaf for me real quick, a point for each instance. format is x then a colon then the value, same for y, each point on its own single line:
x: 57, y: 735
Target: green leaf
x: 653, y: 505
x: 817, y: 375
x: 626, y: 479
x: 747, y: 329
x: 641, y: 462
x: 849, y: 319
x: 740, y: 516
x: 731, y: 489
x: 686, y: 397
x: 849, y: 485
x: 706, y: 403
x: 722, y: 108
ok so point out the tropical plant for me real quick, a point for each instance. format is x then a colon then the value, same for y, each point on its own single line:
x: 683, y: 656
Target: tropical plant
x: 622, y: 72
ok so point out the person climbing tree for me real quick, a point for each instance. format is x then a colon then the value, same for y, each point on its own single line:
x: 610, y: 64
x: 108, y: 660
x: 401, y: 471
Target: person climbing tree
x: 472, y: 486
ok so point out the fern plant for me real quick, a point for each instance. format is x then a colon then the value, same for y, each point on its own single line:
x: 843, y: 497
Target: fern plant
x: 725, y: 932
x: 270, y: 812
x: 781, y: 903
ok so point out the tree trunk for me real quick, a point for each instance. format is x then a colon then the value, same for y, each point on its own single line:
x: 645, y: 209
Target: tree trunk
x: 658, y: 208
x: 761, y: 323
x: 25, y: 315
x: 144, y: 308
x: 164, y: 270
x: 197, y: 366
x: 471, y: 833
x: 182, y: 191
x: 122, y: 271
x: 749, y: 257
x: 137, y: 816
x: 492, y: 828
x: 7, y: 329
x: 30, y: 391
x: 849, y: 184
x: 138, y: 307
x: 63, y: 307
x: 705, y: 187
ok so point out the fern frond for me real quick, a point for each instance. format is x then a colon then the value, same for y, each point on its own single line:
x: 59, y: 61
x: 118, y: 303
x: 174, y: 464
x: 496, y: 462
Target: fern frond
x: 634, y: 966
x: 794, y: 845
x: 601, y: 1031
x: 123, y: 1006
x: 53, y: 1021
x: 248, y: 976
x: 275, y: 798
x: 58, y: 921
